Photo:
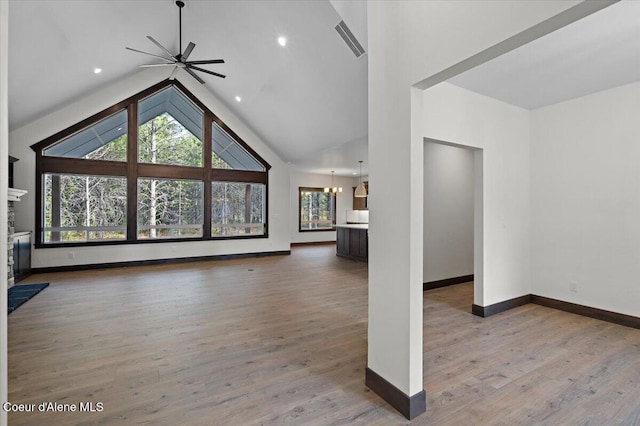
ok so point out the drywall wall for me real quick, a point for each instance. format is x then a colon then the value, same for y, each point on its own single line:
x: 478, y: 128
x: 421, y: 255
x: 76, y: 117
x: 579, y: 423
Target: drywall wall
x: 21, y: 139
x: 4, y: 183
x: 502, y: 131
x: 408, y: 43
x: 344, y: 202
x: 448, y: 212
x: 586, y: 200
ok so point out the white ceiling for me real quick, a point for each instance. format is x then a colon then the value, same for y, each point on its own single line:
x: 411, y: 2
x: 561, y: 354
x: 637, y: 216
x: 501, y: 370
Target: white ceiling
x: 308, y: 101
x: 596, y: 53
x: 305, y: 98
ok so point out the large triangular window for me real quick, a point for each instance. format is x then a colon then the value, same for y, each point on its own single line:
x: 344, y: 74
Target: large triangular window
x: 157, y: 166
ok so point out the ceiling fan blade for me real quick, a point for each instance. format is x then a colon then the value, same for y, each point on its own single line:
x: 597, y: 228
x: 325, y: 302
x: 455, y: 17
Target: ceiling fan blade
x: 153, y: 40
x: 156, y: 65
x: 150, y: 54
x: 187, y: 51
x: 173, y: 73
x: 207, y: 71
x: 194, y: 75
x: 210, y: 61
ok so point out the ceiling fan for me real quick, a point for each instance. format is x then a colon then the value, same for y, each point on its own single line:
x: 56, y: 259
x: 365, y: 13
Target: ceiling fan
x: 180, y: 60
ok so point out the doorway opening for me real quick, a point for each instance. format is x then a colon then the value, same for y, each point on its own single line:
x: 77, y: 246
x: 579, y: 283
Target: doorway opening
x: 452, y: 215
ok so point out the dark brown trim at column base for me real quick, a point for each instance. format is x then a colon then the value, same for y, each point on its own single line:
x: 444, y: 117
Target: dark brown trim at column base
x: 446, y: 282
x: 496, y: 308
x: 408, y: 406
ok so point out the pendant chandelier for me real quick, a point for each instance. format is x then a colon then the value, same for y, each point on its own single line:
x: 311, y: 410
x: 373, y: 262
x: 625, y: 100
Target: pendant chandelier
x: 361, y: 190
x: 333, y: 189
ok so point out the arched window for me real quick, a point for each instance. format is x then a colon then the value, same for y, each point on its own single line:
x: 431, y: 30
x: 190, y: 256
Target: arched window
x: 158, y: 166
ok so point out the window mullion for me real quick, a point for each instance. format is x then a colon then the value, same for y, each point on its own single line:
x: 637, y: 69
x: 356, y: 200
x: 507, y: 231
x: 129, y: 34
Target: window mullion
x: 132, y: 171
x: 55, y: 206
x: 226, y: 175
x: 207, y: 172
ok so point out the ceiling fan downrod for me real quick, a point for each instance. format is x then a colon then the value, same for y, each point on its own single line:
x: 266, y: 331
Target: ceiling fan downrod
x: 180, y: 5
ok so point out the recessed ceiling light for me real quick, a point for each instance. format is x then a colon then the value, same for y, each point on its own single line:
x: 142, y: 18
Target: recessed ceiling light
x: 282, y: 41
x: 97, y: 70
x: 238, y: 99
x: 354, y: 173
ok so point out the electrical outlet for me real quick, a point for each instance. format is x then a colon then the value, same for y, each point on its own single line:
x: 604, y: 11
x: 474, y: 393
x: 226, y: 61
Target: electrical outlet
x: 573, y: 286
x: 71, y: 255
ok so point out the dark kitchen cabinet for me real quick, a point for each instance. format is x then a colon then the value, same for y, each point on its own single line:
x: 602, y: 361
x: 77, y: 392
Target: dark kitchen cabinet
x: 352, y: 243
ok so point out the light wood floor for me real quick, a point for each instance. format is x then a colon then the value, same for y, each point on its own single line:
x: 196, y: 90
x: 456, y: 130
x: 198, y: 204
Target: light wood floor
x: 282, y: 340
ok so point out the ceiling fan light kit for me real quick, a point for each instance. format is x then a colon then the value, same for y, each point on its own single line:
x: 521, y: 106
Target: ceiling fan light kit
x: 180, y: 60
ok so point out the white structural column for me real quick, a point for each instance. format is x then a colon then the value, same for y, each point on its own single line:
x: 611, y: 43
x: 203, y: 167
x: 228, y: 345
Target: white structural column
x: 409, y: 42
x: 395, y: 238
x: 4, y: 183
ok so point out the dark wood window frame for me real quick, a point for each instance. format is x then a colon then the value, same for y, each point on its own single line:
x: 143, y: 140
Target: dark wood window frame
x: 132, y: 169
x: 333, y: 201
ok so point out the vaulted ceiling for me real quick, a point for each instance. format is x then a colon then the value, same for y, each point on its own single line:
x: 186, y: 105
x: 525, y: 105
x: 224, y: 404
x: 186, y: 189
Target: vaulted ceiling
x: 304, y: 98
x: 307, y: 100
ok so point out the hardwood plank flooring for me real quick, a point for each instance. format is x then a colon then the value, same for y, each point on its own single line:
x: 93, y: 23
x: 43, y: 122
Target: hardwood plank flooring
x: 282, y: 340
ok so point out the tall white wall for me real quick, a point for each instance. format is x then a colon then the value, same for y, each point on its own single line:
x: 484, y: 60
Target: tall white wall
x: 4, y: 183
x: 585, y: 164
x: 410, y: 41
x: 21, y: 139
x: 502, y: 131
x: 448, y: 212
x: 344, y: 201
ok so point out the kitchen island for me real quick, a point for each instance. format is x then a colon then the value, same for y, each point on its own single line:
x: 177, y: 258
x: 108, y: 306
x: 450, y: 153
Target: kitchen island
x: 352, y: 241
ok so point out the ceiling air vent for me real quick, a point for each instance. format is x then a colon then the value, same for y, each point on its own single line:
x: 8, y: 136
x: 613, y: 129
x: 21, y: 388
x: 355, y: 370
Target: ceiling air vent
x: 350, y: 39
